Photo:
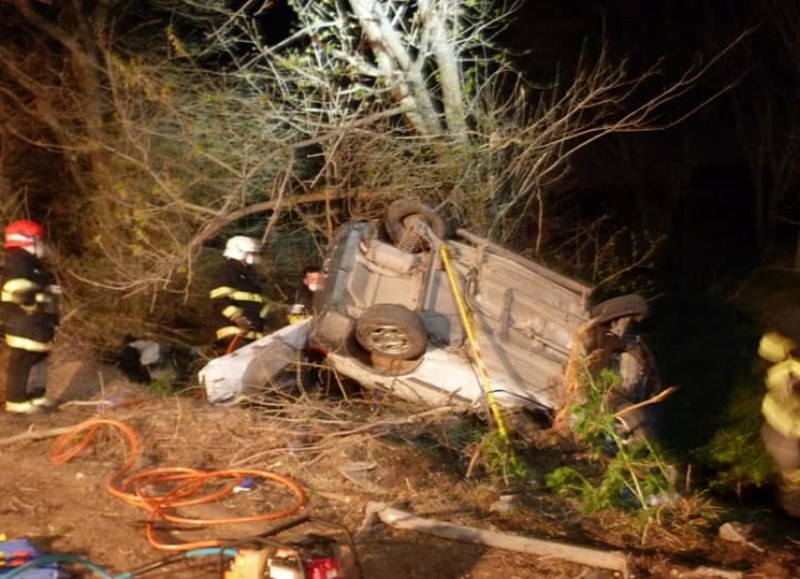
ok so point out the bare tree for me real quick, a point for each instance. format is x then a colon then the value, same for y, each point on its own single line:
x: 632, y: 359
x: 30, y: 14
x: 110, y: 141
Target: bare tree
x: 348, y: 67
x: 183, y: 122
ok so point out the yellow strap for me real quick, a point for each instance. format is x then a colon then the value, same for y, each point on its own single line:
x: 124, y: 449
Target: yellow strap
x: 483, y: 375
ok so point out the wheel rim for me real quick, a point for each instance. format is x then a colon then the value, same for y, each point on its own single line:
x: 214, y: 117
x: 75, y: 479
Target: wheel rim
x: 388, y: 339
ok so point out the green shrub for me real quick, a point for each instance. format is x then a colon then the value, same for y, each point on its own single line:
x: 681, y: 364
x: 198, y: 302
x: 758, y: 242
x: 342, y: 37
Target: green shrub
x: 620, y: 472
x: 735, y: 456
x: 501, y: 458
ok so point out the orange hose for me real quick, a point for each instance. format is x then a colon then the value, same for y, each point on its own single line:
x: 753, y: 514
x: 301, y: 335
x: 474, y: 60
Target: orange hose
x: 186, y: 486
x: 232, y: 344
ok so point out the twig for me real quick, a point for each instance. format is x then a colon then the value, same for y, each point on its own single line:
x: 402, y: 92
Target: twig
x: 474, y: 460
x: 657, y: 398
x: 33, y: 435
x: 393, y: 422
x: 363, y: 485
x: 329, y: 440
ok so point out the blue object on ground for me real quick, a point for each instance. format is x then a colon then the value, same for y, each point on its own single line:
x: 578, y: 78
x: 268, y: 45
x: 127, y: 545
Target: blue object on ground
x: 18, y: 552
x: 245, y: 484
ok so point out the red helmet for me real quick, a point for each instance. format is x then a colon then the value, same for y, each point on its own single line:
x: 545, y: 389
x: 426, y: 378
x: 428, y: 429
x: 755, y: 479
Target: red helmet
x: 23, y: 233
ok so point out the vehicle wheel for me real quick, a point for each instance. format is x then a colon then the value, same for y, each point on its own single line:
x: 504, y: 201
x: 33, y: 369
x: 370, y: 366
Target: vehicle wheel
x: 398, y: 219
x: 620, y: 307
x: 393, y: 331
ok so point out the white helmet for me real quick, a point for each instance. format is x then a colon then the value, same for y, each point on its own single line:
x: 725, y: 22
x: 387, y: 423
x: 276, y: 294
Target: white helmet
x: 243, y: 248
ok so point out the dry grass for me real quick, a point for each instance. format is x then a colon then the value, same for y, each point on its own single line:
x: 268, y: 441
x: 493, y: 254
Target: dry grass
x: 344, y: 453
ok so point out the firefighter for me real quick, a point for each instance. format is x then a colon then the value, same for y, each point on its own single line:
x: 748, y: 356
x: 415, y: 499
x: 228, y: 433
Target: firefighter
x: 30, y: 312
x: 238, y: 295
x: 781, y: 410
x: 313, y: 374
x: 304, y: 296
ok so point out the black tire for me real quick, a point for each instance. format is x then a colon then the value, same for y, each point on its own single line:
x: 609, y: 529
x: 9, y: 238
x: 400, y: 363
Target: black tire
x: 398, y: 217
x: 620, y: 307
x: 392, y: 331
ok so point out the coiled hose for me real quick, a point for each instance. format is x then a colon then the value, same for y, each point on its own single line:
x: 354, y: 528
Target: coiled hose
x: 186, y: 486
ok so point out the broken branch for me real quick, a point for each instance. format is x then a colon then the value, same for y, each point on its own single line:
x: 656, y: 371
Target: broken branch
x: 581, y: 555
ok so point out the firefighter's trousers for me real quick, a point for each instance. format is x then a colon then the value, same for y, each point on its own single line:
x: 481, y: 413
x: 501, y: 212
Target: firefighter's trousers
x: 785, y: 451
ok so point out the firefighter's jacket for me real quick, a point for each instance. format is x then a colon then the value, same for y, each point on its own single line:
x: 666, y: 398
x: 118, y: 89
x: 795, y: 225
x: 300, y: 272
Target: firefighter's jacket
x: 237, y: 295
x: 30, y: 309
x: 781, y: 405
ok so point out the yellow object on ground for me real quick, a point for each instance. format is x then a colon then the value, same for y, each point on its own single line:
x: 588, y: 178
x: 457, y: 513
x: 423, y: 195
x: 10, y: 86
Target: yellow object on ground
x: 248, y: 564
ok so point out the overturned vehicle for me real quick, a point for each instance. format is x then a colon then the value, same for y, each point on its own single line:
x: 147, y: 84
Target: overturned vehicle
x: 405, y: 310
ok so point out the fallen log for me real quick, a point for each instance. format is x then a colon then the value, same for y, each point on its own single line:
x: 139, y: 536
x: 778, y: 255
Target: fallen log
x: 398, y: 519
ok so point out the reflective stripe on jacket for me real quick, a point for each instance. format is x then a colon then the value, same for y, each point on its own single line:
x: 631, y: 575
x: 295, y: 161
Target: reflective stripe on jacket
x: 235, y: 295
x: 228, y: 331
x: 781, y: 405
x: 27, y: 344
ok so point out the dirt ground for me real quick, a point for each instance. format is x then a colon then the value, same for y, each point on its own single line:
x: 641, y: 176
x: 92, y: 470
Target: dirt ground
x: 343, y: 455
